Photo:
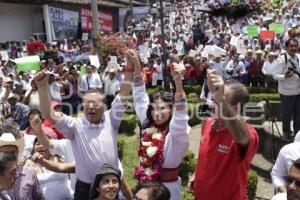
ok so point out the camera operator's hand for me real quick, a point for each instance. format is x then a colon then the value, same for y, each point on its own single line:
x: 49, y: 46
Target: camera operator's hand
x: 288, y: 74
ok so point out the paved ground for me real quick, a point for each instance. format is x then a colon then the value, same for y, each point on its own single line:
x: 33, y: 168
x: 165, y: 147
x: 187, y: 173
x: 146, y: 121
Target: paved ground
x: 262, y: 166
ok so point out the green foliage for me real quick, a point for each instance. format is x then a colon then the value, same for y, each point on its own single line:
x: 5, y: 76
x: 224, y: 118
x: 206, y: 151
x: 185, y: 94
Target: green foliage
x: 128, y: 124
x: 130, y: 159
x: 187, y: 167
x: 154, y: 90
x: 186, y: 194
x: 193, y: 112
x: 258, y: 90
x: 252, y: 184
x: 192, y: 89
x: 192, y: 98
x: 262, y: 96
x: 121, y: 144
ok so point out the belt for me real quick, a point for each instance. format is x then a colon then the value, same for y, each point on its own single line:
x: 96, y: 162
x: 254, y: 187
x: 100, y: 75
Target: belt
x: 83, y: 184
x: 169, y: 174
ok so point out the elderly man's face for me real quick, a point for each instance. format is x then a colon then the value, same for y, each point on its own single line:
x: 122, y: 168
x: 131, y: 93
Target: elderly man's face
x: 10, y: 174
x: 93, y: 107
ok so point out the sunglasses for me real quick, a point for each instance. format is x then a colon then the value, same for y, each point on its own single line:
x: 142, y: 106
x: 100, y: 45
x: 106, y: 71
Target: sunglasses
x: 290, y: 180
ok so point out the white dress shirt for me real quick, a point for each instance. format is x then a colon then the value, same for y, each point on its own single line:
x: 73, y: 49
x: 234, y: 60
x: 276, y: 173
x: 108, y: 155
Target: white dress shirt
x: 268, y: 68
x: 286, y: 156
x: 286, y: 86
x: 111, y: 87
x: 90, y: 82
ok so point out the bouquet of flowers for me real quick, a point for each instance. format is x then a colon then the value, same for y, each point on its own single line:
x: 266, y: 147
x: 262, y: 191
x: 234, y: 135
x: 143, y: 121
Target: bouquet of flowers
x: 115, y: 45
x: 150, y: 155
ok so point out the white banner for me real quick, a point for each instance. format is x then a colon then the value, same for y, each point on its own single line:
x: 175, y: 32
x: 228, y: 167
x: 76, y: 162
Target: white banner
x: 64, y: 23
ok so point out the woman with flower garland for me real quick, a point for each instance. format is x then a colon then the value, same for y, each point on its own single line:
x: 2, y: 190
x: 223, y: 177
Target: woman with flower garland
x: 165, y: 129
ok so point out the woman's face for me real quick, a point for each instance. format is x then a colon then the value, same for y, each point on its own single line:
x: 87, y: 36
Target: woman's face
x: 38, y: 147
x: 142, y: 194
x: 108, y: 187
x: 161, y: 112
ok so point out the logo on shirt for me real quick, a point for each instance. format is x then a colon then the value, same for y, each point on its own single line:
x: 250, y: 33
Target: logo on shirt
x: 223, y: 148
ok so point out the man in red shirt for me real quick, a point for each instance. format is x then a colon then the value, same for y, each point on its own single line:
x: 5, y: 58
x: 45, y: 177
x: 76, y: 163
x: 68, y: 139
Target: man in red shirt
x: 227, y: 146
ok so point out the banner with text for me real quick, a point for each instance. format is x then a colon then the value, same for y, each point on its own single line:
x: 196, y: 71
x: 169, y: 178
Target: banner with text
x: 64, y: 23
x: 105, y: 20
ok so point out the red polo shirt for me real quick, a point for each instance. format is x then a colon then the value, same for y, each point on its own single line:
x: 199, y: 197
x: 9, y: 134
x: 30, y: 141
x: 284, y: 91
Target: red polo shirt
x: 221, y: 172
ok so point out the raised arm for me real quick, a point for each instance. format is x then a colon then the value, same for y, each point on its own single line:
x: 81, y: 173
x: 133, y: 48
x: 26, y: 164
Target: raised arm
x: 126, y: 86
x: 36, y: 125
x: 140, y: 97
x: 236, y: 126
x: 41, y: 80
x: 54, y: 165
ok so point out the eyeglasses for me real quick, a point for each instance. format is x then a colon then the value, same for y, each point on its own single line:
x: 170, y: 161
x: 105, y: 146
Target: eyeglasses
x: 290, y: 180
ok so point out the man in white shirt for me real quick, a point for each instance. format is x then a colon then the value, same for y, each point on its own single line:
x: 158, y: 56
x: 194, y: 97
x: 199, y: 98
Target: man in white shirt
x: 93, y: 136
x: 235, y: 68
x: 90, y: 81
x: 268, y: 69
x: 284, y: 161
x: 292, y: 183
x: 287, y: 73
x: 111, y: 86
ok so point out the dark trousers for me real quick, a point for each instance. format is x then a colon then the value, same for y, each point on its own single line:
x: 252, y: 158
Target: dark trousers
x: 290, y: 107
x: 109, y: 100
x: 82, y: 190
x: 257, y: 79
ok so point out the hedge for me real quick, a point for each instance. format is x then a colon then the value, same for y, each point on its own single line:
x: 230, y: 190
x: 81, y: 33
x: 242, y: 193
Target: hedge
x: 128, y: 124
x: 187, y: 167
x: 252, y: 184
x: 258, y: 90
x: 121, y: 144
x: 262, y: 96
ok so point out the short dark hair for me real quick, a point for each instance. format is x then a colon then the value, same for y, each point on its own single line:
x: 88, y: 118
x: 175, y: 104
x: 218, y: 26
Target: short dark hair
x: 5, y: 158
x: 288, y: 41
x: 157, y: 191
x: 35, y: 111
x: 296, y: 163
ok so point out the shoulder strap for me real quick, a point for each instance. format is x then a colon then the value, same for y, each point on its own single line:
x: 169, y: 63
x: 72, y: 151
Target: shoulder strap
x: 87, y: 80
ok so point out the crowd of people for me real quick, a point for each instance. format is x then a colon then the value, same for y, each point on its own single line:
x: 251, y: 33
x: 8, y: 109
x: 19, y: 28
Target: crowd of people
x: 48, y: 153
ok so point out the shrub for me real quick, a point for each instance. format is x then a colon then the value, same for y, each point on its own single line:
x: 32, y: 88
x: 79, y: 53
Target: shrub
x: 186, y: 194
x: 187, y: 167
x: 252, y: 184
x: 121, y: 144
x: 262, y: 96
x: 151, y: 91
x: 258, y: 90
x: 193, y: 112
x: 192, y: 89
x: 192, y: 98
x: 128, y: 124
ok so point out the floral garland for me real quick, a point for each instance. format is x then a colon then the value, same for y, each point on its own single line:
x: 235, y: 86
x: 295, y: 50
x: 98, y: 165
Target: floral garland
x: 150, y: 155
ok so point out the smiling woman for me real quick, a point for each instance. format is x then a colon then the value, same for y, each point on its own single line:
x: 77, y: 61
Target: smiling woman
x: 107, y: 183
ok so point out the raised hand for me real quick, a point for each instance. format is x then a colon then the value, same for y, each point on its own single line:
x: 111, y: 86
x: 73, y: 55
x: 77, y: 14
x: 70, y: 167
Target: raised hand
x: 177, y: 72
x: 215, y: 84
x: 133, y: 58
x: 41, y: 79
x: 37, y: 157
x: 36, y: 123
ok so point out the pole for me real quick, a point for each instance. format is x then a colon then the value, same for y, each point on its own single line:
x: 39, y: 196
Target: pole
x: 47, y: 23
x: 95, y: 31
x: 164, y: 57
x: 131, y: 8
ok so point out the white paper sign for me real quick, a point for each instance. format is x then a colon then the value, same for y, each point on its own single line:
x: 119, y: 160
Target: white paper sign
x: 4, y: 55
x: 85, y: 36
x: 94, y: 59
